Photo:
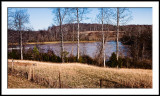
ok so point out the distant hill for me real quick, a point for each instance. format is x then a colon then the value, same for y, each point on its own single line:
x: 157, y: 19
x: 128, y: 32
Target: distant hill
x: 88, y: 32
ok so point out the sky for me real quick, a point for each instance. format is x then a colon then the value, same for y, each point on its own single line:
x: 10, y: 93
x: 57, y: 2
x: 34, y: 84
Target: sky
x: 42, y: 18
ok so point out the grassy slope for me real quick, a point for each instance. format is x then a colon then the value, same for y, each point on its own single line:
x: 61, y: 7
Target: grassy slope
x: 75, y: 75
x: 20, y: 82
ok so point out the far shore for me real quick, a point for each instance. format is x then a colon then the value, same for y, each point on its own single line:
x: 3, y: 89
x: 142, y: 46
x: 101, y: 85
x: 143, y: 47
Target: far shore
x: 53, y: 42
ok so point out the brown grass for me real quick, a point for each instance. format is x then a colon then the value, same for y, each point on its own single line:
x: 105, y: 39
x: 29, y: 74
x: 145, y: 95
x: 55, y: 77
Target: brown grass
x: 76, y: 75
x: 54, y: 42
x: 20, y: 82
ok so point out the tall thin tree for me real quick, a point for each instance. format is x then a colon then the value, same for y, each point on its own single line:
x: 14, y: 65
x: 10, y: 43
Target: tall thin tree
x: 104, y: 17
x: 117, y: 45
x: 77, y: 34
x: 103, y: 38
x: 78, y: 13
x: 20, y: 18
x: 123, y: 15
x: 60, y: 16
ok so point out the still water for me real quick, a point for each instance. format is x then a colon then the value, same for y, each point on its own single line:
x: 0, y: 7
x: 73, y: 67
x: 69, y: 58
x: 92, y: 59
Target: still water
x: 87, y: 48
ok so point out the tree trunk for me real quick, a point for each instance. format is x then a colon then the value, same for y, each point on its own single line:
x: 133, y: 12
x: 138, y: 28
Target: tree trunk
x: 103, y: 41
x: 78, y: 37
x: 62, y: 47
x: 72, y: 40
x: 117, y: 45
x: 143, y: 52
x: 21, y: 46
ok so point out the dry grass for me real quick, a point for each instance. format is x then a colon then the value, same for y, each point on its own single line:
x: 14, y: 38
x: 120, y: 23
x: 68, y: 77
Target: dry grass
x: 54, y: 42
x: 20, y: 82
x: 76, y: 75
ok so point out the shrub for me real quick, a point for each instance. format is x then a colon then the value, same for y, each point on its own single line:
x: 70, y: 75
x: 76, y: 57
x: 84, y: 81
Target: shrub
x: 28, y: 54
x: 35, y: 53
x: 49, y: 56
x: 72, y: 58
x: 120, y: 62
x: 45, y: 57
x: 87, y: 59
x: 65, y: 53
x: 14, y: 54
x: 145, y: 64
x: 112, y: 61
x: 126, y: 62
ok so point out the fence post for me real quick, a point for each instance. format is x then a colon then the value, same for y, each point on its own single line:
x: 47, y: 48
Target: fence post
x: 100, y: 83
x: 12, y: 65
x: 59, y: 80
x: 49, y: 81
x: 33, y: 71
x: 29, y: 73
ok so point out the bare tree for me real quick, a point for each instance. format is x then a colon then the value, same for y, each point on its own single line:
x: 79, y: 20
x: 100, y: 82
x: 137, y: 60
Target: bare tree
x: 102, y: 12
x: 78, y: 13
x: 72, y: 38
x: 77, y: 34
x: 117, y: 46
x: 20, y: 18
x: 104, y: 16
x: 122, y: 17
x: 60, y: 16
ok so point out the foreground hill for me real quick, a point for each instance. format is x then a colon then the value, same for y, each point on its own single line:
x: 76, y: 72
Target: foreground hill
x: 76, y: 75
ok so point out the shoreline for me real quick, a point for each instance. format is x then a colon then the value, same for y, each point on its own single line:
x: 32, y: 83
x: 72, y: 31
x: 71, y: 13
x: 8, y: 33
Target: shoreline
x: 54, y: 42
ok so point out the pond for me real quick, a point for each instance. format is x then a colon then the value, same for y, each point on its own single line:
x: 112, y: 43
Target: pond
x: 86, y: 48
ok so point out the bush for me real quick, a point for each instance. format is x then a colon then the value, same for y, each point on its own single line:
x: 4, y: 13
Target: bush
x: 87, y: 59
x: 145, y: 64
x: 65, y: 53
x: 112, y: 61
x: 82, y: 59
x: 35, y: 53
x: 15, y: 54
x: 72, y: 58
x: 120, y: 62
x: 28, y: 55
x: 126, y: 62
x: 49, y: 56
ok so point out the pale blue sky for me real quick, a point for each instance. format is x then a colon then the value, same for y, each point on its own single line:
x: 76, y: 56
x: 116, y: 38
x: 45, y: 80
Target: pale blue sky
x: 41, y: 18
x: 141, y: 16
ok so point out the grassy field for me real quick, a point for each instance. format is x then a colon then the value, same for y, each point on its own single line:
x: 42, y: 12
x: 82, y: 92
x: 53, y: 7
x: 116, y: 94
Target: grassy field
x: 76, y: 75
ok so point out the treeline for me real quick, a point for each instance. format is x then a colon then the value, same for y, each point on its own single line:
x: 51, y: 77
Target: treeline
x: 70, y: 32
x: 139, y: 41
x: 53, y: 34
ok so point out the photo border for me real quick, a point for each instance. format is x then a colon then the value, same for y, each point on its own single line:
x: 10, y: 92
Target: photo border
x: 155, y: 17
